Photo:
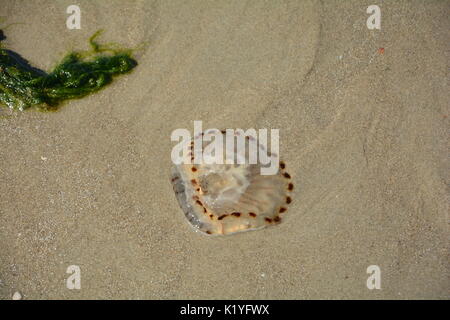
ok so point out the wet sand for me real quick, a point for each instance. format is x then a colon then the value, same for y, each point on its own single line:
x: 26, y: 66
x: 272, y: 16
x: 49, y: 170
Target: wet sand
x: 363, y: 133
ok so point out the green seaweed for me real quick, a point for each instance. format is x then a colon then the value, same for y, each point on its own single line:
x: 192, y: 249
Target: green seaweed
x: 77, y: 75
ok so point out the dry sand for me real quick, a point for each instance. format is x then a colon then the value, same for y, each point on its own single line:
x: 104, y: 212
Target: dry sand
x: 364, y: 135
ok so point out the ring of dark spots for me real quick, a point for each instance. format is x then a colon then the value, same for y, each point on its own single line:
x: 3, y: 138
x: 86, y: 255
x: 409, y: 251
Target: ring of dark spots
x: 282, y: 209
x: 288, y: 200
x: 252, y: 214
x: 277, y: 219
x: 290, y: 187
x: 268, y: 220
x: 222, y: 216
x: 282, y: 165
x: 287, y: 175
x: 236, y: 214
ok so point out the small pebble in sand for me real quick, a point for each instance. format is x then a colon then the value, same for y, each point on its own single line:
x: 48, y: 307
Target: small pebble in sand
x: 17, y: 296
x: 44, y: 158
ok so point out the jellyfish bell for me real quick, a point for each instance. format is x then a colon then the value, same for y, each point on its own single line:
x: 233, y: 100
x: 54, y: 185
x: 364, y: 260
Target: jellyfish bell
x: 225, y: 197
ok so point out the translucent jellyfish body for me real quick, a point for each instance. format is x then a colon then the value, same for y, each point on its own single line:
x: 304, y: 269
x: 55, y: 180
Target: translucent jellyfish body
x: 221, y: 199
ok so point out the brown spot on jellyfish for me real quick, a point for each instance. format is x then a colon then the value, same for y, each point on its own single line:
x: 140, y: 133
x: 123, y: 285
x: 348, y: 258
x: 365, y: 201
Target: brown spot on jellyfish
x: 223, y: 199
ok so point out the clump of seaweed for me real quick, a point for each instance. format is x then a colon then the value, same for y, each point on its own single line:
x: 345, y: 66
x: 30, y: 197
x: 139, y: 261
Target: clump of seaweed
x: 77, y: 75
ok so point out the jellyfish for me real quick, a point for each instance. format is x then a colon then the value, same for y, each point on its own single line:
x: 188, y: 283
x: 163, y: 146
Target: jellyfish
x: 230, y: 196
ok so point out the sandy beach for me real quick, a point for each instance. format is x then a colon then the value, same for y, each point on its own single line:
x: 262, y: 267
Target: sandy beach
x: 363, y: 119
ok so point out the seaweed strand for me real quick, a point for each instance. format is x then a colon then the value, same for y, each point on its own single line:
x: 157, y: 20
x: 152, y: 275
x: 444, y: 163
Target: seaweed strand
x: 77, y: 75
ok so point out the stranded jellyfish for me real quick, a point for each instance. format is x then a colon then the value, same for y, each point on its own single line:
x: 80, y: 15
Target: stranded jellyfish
x: 231, y: 196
